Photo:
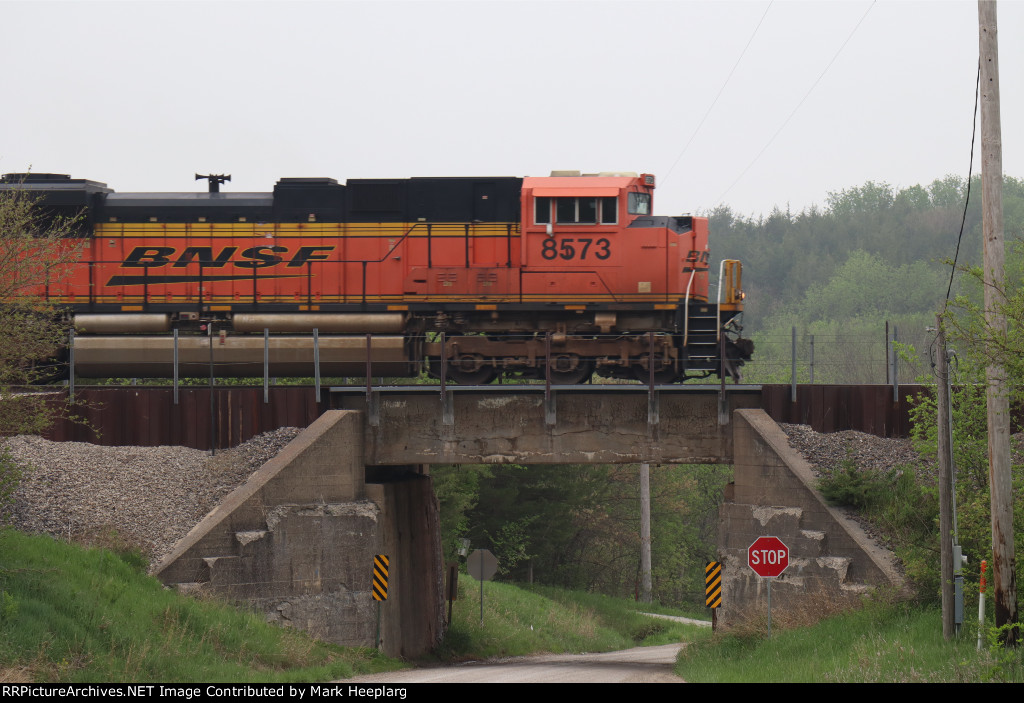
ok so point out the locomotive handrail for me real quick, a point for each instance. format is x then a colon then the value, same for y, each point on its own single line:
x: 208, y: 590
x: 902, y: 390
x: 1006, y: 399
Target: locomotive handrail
x: 686, y: 313
x: 718, y: 300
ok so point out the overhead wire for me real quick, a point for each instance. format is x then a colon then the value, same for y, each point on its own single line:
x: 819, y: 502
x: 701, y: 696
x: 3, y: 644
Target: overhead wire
x: 799, y: 104
x: 967, y: 196
x: 719, y: 95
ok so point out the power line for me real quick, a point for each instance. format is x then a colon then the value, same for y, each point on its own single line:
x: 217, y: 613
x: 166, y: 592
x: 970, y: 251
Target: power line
x: 799, y: 104
x: 720, y: 91
x: 967, y: 197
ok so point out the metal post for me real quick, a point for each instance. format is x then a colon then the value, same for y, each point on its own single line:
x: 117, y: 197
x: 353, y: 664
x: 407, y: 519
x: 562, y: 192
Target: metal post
x: 213, y: 417
x: 549, y: 397
x: 723, y: 405
x: 266, y: 365
x: 372, y: 397
x: 71, y: 365
x: 792, y: 384
x: 316, y: 362
x: 175, y: 365
x: 895, y: 370
x: 447, y: 413
x: 652, y: 395
x: 887, y: 370
x: 812, y: 359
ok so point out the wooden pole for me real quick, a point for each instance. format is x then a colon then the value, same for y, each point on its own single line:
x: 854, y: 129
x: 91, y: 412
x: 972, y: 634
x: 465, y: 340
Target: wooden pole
x: 945, y: 487
x: 1003, y: 568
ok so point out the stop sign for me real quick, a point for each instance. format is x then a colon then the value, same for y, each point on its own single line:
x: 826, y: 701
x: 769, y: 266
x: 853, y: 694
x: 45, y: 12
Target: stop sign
x: 768, y: 557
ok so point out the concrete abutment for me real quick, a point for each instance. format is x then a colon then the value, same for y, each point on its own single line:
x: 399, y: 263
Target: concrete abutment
x: 832, y: 561
x: 297, y: 540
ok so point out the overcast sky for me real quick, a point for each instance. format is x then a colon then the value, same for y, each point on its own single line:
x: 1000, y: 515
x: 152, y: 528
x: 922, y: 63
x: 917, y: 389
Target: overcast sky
x: 825, y: 95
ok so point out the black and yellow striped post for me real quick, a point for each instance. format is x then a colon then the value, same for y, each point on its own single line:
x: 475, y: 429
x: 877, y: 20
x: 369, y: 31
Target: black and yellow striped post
x: 380, y: 577
x: 713, y: 588
x: 380, y: 585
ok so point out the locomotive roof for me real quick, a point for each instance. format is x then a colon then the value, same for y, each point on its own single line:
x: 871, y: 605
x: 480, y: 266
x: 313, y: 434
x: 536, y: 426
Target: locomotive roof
x: 213, y: 200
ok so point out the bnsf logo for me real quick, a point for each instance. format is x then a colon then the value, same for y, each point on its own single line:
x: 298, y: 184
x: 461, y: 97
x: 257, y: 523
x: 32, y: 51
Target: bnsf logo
x: 252, y: 258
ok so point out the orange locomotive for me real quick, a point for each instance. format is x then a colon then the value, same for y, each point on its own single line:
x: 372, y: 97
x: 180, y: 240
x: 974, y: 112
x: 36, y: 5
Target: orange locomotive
x: 557, y: 277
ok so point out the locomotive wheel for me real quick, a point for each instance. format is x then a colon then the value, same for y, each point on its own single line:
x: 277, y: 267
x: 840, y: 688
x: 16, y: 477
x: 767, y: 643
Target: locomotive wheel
x: 570, y: 369
x: 471, y: 370
x: 662, y: 374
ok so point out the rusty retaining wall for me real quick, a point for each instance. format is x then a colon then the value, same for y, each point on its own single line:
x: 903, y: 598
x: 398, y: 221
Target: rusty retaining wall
x: 148, y: 417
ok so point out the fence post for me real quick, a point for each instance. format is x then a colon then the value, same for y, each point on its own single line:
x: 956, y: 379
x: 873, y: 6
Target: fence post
x: 895, y: 369
x: 812, y: 358
x: 792, y: 388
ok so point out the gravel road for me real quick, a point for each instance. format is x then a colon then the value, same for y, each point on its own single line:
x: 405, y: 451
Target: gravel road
x: 637, y: 665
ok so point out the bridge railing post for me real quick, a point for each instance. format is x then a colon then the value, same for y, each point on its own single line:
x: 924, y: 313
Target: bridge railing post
x: 653, y: 410
x: 316, y: 362
x: 175, y: 365
x: 266, y: 365
x: 71, y: 366
x: 372, y: 396
x: 549, y: 395
x: 447, y: 412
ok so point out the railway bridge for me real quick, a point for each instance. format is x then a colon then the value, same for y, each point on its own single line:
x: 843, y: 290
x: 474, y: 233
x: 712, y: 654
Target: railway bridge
x: 298, y: 539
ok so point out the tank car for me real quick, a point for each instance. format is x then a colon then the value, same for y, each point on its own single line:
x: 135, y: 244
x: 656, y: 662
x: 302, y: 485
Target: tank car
x: 560, y: 277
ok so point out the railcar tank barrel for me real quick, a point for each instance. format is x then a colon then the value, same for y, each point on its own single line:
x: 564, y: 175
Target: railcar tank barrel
x: 153, y: 357
x: 122, y: 323
x: 326, y: 323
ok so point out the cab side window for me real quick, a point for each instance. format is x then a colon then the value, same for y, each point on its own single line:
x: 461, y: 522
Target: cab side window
x: 639, y: 203
x: 577, y: 211
x: 542, y: 211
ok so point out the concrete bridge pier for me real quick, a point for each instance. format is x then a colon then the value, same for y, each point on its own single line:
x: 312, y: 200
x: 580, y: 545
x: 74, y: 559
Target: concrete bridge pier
x: 297, y: 542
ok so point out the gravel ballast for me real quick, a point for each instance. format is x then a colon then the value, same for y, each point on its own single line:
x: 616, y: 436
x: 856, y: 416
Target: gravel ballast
x: 142, y: 497
x: 150, y: 497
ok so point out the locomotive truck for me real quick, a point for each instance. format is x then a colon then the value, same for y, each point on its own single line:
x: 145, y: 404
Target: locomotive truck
x: 559, y: 277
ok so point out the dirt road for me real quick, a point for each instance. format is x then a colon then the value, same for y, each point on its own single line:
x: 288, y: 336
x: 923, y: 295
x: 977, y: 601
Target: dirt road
x: 637, y: 665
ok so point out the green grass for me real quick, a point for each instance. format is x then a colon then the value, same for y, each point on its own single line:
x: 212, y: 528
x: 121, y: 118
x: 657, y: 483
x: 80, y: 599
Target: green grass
x: 519, y: 621
x: 69, y: 614
x: 882, y: 643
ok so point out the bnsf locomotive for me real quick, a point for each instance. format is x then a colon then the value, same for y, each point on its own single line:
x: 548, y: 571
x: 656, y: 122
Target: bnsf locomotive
x: 556, y: 277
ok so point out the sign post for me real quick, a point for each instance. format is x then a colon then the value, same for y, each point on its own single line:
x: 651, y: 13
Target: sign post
x: 482, y: 565
x: 768, y: 557
x: 380, y: 585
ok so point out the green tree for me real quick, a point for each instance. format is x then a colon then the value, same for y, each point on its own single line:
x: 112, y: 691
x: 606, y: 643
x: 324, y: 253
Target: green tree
x: 36, y: 251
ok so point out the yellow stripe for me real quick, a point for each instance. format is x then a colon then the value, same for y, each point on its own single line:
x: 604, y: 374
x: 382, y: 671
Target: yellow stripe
x: 178, y: 230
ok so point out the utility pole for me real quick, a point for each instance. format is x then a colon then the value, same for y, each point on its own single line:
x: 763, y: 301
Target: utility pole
x: 645, y: 532
x: 1004, y: 560
x: 945, y: 486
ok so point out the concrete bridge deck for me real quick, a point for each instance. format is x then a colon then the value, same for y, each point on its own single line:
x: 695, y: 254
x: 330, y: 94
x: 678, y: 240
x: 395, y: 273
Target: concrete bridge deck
x: 534, y: 424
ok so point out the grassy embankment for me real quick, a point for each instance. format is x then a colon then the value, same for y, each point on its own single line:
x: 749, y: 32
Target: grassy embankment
x: 889, y: 643
x: 69, y: 614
